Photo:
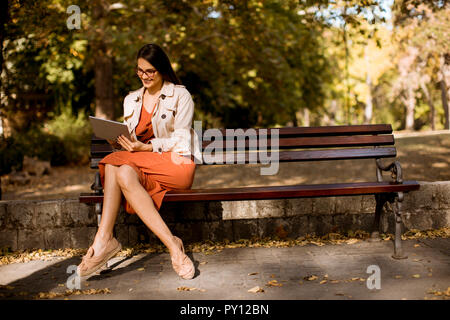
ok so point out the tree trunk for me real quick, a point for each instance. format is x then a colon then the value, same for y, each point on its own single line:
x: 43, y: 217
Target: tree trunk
x: 444, y: 61
x: 294, y: 119
x: 104, y: 99
x: 444, y: 97
x: 369, y: 105
x: 368, y: 111
x: 3, y: 21
x: 306, y: 121
x: 333, y: 111
x: 410, y: 106
x: 431, y: 105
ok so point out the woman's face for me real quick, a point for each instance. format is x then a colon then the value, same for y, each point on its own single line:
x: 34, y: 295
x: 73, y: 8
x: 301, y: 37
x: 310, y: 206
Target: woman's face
x: 150, y: 77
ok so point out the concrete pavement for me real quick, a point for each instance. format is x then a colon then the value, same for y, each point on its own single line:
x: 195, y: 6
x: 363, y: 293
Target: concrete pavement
x: 337, y: 272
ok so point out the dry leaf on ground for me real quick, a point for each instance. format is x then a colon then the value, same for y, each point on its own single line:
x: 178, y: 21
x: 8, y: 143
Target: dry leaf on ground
x: 186, y: 289
x: 256, y: 289
x: 440, y: 293
x: 274, y: 283
x: 51, y: 295
x: 335, y: 281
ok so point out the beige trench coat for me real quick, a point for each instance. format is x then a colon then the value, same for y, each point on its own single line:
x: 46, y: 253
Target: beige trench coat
x: 171, y: 120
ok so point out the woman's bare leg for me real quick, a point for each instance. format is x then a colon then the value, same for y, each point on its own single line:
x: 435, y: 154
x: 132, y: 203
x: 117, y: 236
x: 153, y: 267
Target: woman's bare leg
x: 142, y: 203
x: 111, y: 204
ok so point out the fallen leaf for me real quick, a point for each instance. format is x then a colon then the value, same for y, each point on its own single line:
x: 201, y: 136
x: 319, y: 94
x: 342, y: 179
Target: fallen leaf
x: 253, y: 273
x: 323, y: 281
x: 256, y: 289
x: 352, y: 241
x: 274, y: 283
x: 416, y: 245
x: 398, y: 277
x: 186, y: 289
x: 203, y: 262
x: 334, y: 281
x: 141, y: 269
x: 50, y: 295
x: 311, y: 278
x: 416, y: 275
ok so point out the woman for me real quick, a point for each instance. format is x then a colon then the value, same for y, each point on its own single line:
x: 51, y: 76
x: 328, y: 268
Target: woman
x: 160, y: 157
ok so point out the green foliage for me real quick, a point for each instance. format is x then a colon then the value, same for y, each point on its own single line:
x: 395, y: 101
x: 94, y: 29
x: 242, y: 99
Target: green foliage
x: 246, y: 63
x: 45, y: 146
x: 63, y: 140
x: 74, y: 132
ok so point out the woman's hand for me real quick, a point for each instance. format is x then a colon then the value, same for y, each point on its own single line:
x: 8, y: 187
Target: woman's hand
x: 133, y: 145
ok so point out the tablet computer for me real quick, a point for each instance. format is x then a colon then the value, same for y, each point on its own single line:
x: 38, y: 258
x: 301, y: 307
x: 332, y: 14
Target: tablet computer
x: 108, y: 129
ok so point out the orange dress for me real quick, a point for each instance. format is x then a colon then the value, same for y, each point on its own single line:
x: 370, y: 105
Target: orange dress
x: 158, y: 172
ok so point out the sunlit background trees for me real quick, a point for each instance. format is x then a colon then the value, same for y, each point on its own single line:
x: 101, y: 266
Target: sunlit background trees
x: 247, y: 63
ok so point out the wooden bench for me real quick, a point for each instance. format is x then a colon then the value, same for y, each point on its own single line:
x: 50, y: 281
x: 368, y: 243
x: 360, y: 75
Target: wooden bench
x: 296, y: 144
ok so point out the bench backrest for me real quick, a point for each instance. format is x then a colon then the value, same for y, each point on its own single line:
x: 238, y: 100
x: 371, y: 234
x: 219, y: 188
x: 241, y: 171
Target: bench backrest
x: 228, y: 146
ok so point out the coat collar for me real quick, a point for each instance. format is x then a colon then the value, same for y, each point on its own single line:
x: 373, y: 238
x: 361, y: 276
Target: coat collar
x: 166, y: 91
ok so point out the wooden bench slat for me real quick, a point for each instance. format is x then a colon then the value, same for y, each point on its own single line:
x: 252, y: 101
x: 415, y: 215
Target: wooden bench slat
x: 338, y: 154
x: 370, y: 129
x: 319, y: 131
x: 302, y: 142
x: 302, y: 155
x: 288, y: 156
x: 277, y: 192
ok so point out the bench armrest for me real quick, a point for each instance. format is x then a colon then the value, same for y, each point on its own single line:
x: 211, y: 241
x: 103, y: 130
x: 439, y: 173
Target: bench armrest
x: 394, y: 167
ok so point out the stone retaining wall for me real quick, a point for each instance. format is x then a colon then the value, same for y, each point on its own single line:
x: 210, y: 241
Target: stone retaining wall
x: 69, y: 224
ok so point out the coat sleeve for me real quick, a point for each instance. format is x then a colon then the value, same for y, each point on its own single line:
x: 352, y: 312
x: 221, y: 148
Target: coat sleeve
x: 181, y: 137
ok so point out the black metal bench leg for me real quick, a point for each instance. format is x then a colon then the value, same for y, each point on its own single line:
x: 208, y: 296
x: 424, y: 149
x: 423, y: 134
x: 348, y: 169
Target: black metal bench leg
x: 398, y: 251
x: 98, y: 189
x: 380, y: 201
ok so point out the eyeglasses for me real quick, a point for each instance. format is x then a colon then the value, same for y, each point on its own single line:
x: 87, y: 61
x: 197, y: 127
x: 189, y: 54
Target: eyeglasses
x: 148, y: 73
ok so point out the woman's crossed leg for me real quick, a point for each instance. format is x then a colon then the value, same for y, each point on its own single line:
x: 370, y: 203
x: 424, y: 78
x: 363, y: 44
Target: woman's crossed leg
x: 124, y: 179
